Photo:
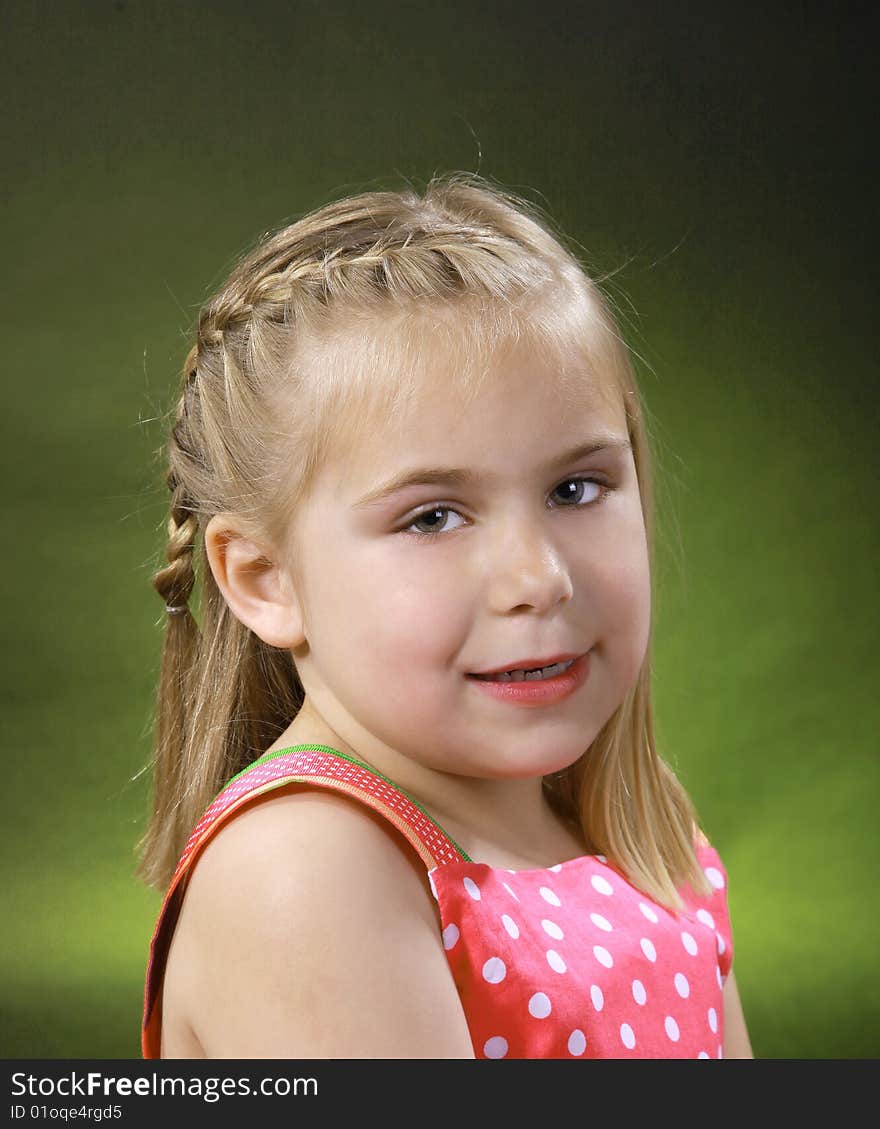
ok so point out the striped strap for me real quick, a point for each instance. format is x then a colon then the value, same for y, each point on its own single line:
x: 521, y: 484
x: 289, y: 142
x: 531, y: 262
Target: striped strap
x: 308, y: 764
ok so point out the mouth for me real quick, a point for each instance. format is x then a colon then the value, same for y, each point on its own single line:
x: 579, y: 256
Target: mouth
x: 535, y: 686
x: 528, y: 670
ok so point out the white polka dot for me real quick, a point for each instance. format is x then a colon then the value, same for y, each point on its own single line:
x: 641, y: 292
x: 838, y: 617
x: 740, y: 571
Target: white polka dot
x: 603, y: 956
x: 577, y: 1043
x: 721, y: 945
x: 627, y: 1036
x: 648, y: 912
x: 450, y: 936
x: 539, y: 1005
x: 600, y: 922
x: 706, y: 918
x: 433, y: 887
x: 494, y: 970
x: 472, y: 888
x: 671, y: 1028
x: 597, y: 997
x: 508, y: 889
x: 639, y: 993
x: 682, y: 986
x: 555, y: 961
x: 556, y: 869
x: 689, y: 943
x: 510, y: 925
x: 715, y: 877
x: 713, y: 1020
x: 601, y: 885
x: 601, y: 858
x: 703, y: 1054
x: 553, y: 929
x: 648, y: 949
x: 718, y: 976
x: 509, y: 871
x: 548, y: 896
x: 720, y: 1051
x: 496, y: 1047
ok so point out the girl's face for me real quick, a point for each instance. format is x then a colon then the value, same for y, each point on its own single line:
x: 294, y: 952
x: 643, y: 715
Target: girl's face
x: 504, y: 545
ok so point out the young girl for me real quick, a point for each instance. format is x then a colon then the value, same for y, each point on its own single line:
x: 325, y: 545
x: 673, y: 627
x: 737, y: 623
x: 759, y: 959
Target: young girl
x: 408, y: 802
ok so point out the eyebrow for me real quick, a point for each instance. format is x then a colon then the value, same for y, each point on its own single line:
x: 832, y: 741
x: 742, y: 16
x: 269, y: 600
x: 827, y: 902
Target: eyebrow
x: 456, y: 476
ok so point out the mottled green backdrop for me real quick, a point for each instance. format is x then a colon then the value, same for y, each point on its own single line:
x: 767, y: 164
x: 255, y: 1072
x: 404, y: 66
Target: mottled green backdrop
x: 717, y: 160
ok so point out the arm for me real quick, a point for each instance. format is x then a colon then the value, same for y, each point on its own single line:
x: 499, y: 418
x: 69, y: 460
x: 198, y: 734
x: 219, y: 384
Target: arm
x: 736, y: 1036
x: 311, y: 934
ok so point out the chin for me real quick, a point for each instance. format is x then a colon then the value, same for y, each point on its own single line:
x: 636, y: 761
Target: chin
x: 531, y: 763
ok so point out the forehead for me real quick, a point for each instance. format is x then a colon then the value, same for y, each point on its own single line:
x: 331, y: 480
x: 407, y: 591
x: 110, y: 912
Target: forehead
x: 405, y: 391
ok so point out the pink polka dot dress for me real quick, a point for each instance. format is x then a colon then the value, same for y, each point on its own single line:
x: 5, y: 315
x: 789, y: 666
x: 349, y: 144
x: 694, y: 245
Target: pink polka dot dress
x: 568, y: 962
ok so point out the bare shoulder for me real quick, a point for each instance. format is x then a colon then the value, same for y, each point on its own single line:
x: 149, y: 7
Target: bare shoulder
x: 308, y: 931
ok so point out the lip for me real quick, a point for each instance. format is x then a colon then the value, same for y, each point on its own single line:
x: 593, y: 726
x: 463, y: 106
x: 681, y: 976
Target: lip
x: 528, y: 664
x: 543, y: 692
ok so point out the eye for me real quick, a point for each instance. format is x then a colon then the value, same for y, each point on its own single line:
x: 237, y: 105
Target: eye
x: 575, y: 496
x: 433, y: 520
x: 427, y: 519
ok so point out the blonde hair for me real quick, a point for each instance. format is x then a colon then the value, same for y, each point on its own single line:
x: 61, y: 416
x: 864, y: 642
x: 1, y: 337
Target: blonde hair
x: 322, y: 324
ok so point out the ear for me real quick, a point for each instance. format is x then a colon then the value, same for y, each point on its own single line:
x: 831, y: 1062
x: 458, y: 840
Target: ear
x: 256, y: 587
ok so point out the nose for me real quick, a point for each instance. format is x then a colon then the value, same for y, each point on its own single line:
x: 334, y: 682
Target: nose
x: 526, y: 569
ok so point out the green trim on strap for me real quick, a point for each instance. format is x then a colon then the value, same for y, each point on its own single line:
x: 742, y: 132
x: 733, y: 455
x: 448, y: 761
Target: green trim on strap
x: 352, y: 760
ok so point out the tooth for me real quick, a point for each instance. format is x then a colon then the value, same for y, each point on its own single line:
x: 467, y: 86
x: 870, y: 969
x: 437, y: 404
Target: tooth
x: 531, y: 675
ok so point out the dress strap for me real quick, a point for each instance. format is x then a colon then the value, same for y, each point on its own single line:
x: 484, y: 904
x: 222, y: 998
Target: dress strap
x: 319, y: 765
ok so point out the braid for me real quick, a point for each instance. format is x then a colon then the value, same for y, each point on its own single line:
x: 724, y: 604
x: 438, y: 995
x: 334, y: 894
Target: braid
x: 175, y: 582
x: 180, y: 654
x: 363, y: 267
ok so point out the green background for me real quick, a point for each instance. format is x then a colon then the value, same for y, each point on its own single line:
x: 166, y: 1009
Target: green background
x: 716, y: 159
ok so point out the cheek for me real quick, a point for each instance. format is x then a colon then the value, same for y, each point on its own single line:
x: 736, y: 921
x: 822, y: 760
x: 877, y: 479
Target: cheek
x: 624, y: 590
x: 382, y: 637
x: 390, y: 610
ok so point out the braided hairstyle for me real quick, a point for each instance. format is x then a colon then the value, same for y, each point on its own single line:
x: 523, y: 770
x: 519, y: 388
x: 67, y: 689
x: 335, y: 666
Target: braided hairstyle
x: 292, y: 356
